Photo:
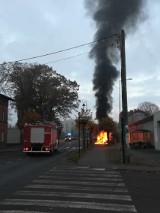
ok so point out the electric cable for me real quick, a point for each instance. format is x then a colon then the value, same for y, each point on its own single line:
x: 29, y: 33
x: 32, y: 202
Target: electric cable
x: 64, y: 50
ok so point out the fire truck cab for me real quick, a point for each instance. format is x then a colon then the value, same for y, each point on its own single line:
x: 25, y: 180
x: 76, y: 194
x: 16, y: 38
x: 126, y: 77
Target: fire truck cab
x: 40, y: 138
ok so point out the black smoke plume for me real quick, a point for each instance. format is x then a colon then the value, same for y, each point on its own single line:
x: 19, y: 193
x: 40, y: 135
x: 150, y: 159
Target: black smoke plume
x: 110, y: 16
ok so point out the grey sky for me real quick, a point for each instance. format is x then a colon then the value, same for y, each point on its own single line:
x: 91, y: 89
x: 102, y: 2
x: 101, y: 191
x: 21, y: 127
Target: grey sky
x: 35, y: 27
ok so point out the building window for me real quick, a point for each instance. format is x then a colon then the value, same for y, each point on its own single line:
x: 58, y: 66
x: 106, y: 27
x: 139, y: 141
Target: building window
x: 138, y: 116
x: 3, y: 117
x: 2, y: 137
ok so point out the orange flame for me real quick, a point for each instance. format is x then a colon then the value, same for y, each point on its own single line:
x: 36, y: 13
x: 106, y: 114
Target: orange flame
x: 102, y: 138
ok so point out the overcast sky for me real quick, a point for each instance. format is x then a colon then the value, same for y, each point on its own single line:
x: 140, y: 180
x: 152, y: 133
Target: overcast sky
x: 36, y: 27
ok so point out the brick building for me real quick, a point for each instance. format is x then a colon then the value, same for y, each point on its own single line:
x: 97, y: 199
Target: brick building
x: 4, y: 118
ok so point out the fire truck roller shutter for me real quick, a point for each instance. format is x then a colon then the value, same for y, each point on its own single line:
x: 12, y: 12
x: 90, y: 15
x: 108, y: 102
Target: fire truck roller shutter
x: 37, y: 135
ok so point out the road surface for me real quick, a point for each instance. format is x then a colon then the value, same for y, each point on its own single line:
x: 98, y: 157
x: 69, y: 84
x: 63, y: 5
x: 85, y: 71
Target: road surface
x: 50, y: 184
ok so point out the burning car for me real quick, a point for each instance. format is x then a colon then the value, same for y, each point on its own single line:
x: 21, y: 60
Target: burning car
x: 102, y: 138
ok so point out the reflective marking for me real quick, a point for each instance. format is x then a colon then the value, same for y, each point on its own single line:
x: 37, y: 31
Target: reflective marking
x: 75, y: 195
x: 77, y: 188
x: 81, y: 178
x: 78, y: 183
x: 70, y: 204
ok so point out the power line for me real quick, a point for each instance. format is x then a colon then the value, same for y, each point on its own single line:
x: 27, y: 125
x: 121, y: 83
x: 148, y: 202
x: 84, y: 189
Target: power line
x: 63, y: 59
x: 73, y: 56
x: 70, y: 57
x: 64, y: 50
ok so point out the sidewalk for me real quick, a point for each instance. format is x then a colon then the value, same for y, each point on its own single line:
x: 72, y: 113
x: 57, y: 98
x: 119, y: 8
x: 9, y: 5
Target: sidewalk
x: 96, y: 157
x: 142, y: 160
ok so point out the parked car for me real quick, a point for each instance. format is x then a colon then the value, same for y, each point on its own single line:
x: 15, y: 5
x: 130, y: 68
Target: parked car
x: 68, y: 138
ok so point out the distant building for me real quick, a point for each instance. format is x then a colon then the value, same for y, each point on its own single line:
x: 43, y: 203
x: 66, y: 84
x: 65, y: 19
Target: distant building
x: 139, y: 120
x: 136, y: 115
x: 4, y: 118
x: 69, y: 127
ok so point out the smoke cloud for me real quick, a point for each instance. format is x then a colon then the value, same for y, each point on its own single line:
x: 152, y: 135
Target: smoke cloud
x: 110, y: 17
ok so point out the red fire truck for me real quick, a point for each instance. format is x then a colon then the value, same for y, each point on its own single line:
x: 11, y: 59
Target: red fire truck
x: 40, y: 138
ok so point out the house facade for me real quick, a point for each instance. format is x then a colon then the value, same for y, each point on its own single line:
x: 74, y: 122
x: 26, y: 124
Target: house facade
x: 139, y: 120
x: 156, y: 126
x: 4, y: 118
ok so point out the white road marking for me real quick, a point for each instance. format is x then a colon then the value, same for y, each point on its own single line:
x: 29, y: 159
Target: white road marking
x: 68, y: 170
x: 73, y: 148
x: 82, y: 178
x: 79, y: 169
x: 70, y: 204
x: 82, y: 175
x: 77, y: 188
x: 22, y: 211
x: 71, y: 182
x: 99, y: 169
x: 75, y: 195
x: 69, y: 147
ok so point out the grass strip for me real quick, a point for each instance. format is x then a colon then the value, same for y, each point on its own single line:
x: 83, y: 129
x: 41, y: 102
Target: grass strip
x: 76, y: 155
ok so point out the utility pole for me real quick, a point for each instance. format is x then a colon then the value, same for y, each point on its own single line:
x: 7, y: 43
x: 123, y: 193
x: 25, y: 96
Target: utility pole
x: 83, y: 123
x: 124, y: 114
x: 79, y: 133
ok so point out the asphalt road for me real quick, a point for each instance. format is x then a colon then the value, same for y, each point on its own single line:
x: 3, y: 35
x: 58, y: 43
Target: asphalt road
x: 43, y: 183
x: 50, y: 184
x: 144, y: 188
x: 17, y: 168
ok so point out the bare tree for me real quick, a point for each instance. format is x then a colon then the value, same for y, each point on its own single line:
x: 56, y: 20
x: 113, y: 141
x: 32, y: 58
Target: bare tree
x: 148, y: 107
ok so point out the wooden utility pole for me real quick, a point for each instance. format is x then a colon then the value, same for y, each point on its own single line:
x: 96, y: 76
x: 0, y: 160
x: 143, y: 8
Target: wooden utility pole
x: 124, y: 114
x: 79, y: 133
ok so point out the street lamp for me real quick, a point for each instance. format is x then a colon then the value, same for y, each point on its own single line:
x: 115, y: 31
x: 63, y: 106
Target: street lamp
x: 84, y: 104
